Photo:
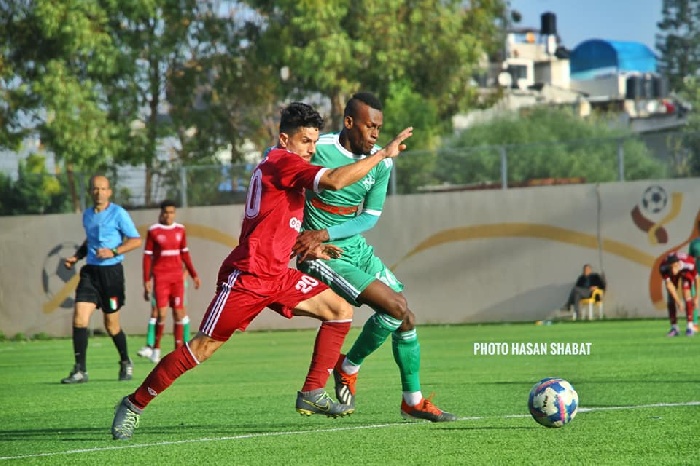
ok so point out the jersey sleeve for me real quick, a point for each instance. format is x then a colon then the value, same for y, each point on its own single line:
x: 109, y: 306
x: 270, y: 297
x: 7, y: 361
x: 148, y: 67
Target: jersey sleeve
x: 376, y: 196
x: 293, y: 172
x: 185, y: 255
x: 126, y: 225
x: 147, y: 257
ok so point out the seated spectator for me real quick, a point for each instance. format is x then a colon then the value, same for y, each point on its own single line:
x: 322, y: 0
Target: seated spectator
x: 584, y: 287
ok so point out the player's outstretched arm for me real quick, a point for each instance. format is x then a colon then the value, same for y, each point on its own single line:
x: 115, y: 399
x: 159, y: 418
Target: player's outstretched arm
x: 338, y: 178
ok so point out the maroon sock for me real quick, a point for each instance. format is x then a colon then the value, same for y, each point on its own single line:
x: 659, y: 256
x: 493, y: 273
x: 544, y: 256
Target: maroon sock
x: 672, y: 313
x: 689, y: 310
x: 329, y: 341
x: 179, y: 334
x: 163, y: 375
x: 160, y: 327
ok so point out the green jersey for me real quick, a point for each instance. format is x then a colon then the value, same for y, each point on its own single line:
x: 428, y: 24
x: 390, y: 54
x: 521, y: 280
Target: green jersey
x: 694, y: 249
x: 329, y: 208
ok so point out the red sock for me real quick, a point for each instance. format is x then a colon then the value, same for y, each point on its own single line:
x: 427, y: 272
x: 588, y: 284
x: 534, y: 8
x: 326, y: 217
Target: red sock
x: 329, y: 341
x: 179, y: 334
x: 163, y: 375
x: 689, y: 310
x: 160, y: 326
x: 672, y: 313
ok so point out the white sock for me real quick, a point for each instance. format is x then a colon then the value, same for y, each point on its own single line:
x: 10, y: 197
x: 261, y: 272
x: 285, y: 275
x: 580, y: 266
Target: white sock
x: 348, y: 368
x: 412, y: 398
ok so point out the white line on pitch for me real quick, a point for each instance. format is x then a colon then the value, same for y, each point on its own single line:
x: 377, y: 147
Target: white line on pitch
x: 122, y: 446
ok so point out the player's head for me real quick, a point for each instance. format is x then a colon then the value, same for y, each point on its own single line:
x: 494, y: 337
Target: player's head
x: 167, y: 212
x: 362, y: 122
x: 100, y: 190
x: 673, y: 263
x: 300, y: 126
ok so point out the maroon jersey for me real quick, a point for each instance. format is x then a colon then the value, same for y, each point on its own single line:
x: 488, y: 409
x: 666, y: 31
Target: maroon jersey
x: 165, y: 251
x: 273, y: 213
x: 688, y: 270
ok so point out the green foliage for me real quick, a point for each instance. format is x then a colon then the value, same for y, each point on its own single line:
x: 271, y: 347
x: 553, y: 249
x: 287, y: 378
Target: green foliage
x: 403, y: 108
x: 34, y: 192
x: 687, y: 150
x: 544, y: 142
x: 678, y: 40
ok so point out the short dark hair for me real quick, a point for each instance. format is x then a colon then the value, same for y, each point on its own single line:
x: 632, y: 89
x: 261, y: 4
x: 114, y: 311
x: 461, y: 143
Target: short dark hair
x: 672, y: 259
x: 167, y: 203
x: 367, y: 98
x: 299, y: 115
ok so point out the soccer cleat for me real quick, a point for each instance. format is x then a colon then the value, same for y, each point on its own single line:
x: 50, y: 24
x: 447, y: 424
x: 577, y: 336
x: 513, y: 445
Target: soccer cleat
x: 344, y: 384
x: 155, y: 356
x: 425, y: 411
x: 76, y: 376
x: 145, y: 352
x: 690, y: 331
x: 318, y: 402
x: 126, y: 419
x: 673, y: 332
x: 126, y: 370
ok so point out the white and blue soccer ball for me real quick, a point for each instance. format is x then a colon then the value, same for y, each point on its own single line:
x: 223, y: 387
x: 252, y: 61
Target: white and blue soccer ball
x: 553, y: 402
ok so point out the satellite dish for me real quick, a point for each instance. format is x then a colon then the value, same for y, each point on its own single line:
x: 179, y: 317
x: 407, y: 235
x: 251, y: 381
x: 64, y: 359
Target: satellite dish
x: 505, y: 79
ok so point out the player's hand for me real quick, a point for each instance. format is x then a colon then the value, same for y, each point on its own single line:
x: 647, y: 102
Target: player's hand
x: 146, y: 295
x: 104, y: 253
x: 70, y: 262
x: 325, y: 252
x: 197, y: 282
x: 308, y: 241
x: 396, y: 146
x: 147, y: 288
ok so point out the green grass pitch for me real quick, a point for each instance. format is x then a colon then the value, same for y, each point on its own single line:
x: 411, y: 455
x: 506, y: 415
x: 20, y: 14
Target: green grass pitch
x: 639, y: 395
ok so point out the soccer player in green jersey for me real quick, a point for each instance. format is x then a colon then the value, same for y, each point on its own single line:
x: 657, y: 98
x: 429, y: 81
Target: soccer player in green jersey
x: 358, y: 275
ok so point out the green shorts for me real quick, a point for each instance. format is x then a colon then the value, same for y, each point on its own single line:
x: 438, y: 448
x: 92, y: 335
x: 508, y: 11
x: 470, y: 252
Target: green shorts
x: 350, y: 275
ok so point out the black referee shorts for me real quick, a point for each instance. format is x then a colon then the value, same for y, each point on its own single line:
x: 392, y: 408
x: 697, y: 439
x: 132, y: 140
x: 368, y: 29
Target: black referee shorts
x: 102, y: 285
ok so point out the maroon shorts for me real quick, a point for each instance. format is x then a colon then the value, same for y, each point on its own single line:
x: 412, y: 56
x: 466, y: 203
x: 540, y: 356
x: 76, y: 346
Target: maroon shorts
x: 240, y: 297
x: 169, y: 290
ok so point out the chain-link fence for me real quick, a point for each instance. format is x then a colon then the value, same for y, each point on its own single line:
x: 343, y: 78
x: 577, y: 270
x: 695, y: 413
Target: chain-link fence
x: 651, y: 156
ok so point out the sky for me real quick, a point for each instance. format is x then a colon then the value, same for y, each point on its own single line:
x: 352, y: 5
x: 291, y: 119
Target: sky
x: 579, y: 20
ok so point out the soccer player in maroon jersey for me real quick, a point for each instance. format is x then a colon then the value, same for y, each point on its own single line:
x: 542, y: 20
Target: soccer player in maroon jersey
x: 163, y: 257
x: 256, y: 274
x: 679, y: 270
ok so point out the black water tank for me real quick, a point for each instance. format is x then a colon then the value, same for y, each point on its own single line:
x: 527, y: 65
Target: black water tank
x: 635, y: 87
x: 549, y: 24
x: 660, y: 87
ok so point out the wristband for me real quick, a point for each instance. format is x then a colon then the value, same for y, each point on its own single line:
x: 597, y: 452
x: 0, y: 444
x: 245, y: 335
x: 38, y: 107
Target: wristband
x: 115, y: 252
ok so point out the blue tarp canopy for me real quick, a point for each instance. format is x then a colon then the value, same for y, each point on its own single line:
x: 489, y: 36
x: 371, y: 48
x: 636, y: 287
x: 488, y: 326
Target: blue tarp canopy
x: 596, y: 56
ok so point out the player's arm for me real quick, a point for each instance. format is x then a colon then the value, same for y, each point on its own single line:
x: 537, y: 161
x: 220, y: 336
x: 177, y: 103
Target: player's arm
x: 147, y: 266
x: 671, y: 289
x: 80, y: 253
x: 337, y: 178
x: 187, y: 259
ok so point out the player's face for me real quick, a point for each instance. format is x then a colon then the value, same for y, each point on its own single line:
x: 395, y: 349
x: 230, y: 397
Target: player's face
x: 100, y: 191
x: 167, y: 216
x: 302, y: 143
x: 363, y: 129
x: 676, y: 267
x: 587, y: 270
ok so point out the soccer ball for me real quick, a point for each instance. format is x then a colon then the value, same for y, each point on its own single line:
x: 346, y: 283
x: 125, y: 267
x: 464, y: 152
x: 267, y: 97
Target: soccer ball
x: 654, y: 199
x: 553, y: 402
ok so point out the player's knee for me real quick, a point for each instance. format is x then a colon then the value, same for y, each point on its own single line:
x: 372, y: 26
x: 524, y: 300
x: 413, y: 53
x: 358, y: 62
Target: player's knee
x: 397, y: 306
x: 409, y: 322
x: 343, y: 311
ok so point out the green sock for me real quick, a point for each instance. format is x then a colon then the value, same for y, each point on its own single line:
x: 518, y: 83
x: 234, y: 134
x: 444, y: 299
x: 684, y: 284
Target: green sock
x: 407, y: 356
x: 375, y: 332
x: 185, y: 329
x: 151, y: 334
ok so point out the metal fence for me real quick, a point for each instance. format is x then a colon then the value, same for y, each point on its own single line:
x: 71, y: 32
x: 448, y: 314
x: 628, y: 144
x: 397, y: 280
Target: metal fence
x: 457, y: 168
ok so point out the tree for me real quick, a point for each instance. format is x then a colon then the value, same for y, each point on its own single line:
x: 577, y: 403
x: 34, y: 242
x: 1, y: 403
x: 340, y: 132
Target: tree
x: 335, y: 47
x: 678, y: 40
x: 687, y: 150
x: 544, y: 142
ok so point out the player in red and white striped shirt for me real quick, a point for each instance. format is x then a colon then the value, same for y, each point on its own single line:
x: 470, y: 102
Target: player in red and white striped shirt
x: 164, y: 255
x: 257, y: 275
